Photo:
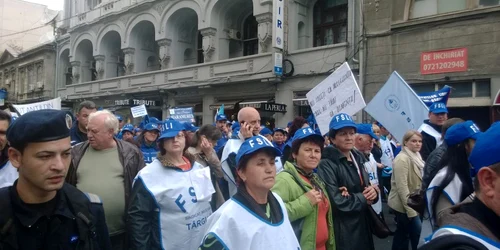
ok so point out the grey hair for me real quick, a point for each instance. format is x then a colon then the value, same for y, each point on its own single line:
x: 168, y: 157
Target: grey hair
x: 110, y: 121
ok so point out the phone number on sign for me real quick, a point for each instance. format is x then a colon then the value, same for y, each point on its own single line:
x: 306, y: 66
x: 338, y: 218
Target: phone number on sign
x: 444, y: 65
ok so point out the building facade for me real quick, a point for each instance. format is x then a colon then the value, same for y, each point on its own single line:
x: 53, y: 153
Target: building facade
x: 28, y: 76
x: 432, y: 43
x: 201, y: 54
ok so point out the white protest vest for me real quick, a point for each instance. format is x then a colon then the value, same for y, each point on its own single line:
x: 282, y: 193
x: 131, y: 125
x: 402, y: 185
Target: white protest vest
x: 240, y: 229
x: 232, y: 146
x: 184, y: 202
x: 8, y: 175
x: 432, y: 132
x: 452, y: 192
x: 454, y: 230
x: 371, y: 169
x: 387, y: 153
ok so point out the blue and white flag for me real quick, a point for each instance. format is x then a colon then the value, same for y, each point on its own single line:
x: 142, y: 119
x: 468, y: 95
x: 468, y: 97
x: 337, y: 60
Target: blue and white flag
x: 441, y: 95
x: 398, y: 107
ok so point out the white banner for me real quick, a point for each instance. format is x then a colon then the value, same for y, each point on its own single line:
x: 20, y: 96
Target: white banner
x: 50, y: 104
x: 338, y: 93
x: 397, y: 107
x: 139, y: 111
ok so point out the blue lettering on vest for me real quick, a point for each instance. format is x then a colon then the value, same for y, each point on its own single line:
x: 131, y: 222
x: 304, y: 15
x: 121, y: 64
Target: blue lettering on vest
x: 193, y: 194
x: 180, y: 203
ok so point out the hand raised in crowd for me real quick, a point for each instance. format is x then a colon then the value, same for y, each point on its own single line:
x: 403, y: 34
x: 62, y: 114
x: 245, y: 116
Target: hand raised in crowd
x: 370, y: 193
x: 344, y: 191
x: 314, y: 196
x: 206, y: 146
x: 246, y: 130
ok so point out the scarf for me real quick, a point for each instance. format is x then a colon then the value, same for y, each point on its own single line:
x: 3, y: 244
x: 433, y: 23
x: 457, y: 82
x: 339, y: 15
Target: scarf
x: 416, y: 158
x: 312, y: 177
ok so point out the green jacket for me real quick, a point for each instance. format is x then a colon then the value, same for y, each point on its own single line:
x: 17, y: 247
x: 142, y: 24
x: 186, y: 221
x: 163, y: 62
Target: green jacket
x: 298, y: 206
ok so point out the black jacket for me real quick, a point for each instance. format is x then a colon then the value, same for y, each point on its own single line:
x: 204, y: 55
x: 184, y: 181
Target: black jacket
x: 351, y: 221
x: 75, y: 223
x: 431, y: 166
x: 428, y: 142
x: 76, y: 135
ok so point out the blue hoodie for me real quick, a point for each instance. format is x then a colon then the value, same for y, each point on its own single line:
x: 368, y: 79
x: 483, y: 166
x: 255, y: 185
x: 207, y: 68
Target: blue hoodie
x: 149, y: 152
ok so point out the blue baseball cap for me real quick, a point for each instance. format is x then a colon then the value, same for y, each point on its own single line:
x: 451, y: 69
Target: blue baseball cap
x: 265, y: 131
x: 438, y: 108
x: 171, y: 128
x: 190, y: 127
x: 289, y: 124
x: 485, y: 152
x: 221, y: 117
x: 306, y: 132
x: 128, y: 127
x: 366, y: 129
x: 282, y: 130
x: 461, y: 132
x: 119, y: 117
x: 342, y: 120
x: 379, y: 124
x: 254, y: 144
x: 151, y: 126
x: 137, y: 130
x: 154, y: 120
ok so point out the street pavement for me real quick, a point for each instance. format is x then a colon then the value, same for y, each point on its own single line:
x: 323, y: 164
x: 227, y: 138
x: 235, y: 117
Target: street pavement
x: 386, y: 244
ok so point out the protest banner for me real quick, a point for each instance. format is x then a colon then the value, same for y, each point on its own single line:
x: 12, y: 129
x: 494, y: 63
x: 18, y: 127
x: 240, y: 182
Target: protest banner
x: 338, y: 93
x: 182, y: 114
x: 441, y: 95
x: 397, y: 107
x: 139, y: 111
x: 50, y: 104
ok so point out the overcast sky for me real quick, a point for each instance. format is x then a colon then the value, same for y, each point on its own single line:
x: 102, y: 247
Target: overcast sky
x: 53, y: 4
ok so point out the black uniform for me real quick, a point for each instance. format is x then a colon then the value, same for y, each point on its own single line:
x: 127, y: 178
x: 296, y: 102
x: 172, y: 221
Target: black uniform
x: 69, y: 221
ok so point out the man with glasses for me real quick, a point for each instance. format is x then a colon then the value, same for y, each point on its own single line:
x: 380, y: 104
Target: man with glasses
x: 8, y: 174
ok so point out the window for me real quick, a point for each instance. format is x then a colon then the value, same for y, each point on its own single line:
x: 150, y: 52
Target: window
x: 330, y: 22
x: 422, y: 8
x: 483, y: 88
x: 250, y: 40
x: 423, y: 88
x: 201, y: 58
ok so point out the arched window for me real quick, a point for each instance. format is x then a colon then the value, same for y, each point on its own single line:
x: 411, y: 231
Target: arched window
x: 302, y: 35
x: 201, y: 58
x: 250, y: 39
x: 330, y: 22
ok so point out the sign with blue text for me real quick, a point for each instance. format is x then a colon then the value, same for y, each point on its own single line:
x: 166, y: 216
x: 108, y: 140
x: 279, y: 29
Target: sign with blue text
x: 397, y: 107
x: 441, y: 95
x: 338, y: 93
x: 278, y: 64
x: 182, y: 114
x: 139, y: 111
x: 278, y: 17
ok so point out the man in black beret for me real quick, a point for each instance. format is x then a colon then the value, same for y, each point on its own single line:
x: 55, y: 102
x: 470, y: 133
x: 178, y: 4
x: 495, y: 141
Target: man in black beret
x: 40, y: 211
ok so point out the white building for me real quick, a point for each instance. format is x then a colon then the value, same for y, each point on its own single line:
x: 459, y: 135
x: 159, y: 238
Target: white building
x: 200, y: 53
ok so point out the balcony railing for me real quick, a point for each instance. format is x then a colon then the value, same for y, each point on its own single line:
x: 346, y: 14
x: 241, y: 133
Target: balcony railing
x: 225, y: 71
x: 102, y: 10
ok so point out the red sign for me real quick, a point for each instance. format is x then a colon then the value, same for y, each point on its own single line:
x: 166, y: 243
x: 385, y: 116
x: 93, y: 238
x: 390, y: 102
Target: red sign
x: 443, y: 61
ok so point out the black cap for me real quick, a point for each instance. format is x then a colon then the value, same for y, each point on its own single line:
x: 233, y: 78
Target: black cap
x: 39, y: 126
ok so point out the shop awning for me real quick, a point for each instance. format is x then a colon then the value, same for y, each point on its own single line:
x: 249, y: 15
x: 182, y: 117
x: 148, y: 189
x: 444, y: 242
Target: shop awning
x: 227, y: 105
x: 300, y: 102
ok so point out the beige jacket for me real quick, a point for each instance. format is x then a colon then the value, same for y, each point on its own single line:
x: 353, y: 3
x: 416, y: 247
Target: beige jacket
x: 214, y: 163
x: 406, y: 178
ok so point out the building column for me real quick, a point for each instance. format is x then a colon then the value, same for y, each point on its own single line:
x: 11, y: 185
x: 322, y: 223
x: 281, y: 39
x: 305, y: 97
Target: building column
x: 208, y: 115
x: 100, y: 66
x: 129, y: 60
x: 284, y: 96
x: 164, y: 55
x: 265, y: 31
x: 75, y: 71
x: 209, y: 45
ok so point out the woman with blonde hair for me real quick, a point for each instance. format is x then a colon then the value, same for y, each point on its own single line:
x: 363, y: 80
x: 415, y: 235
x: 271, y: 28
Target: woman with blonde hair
x: 406, y: 178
